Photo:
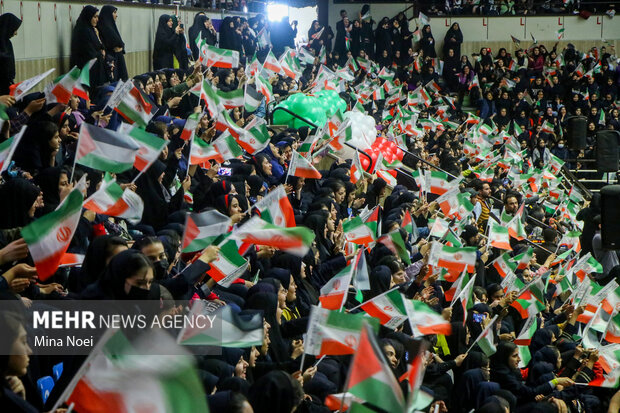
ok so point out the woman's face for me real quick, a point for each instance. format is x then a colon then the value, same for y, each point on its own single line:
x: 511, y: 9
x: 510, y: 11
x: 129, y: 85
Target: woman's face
x: 74, y: 102
x: 38, y: 203
x: 64, y: 129
x: 241, y: 368
x: 55, y: 142
x: 94, y: 20
x: 169, y: 23
x: 390, y: 354
x: 514, y: 359
x: 115, y: 14
x: 266, y: 167
x: 148, y: 88
x: 254, y: 353
x: 451, y: 53
x: 291, y: 294
x: 142, y: 280
x: 20, y: 355
x: 340, y: 194
x: 234, y: 207
x: 399, y: 277
x: 63, y: 182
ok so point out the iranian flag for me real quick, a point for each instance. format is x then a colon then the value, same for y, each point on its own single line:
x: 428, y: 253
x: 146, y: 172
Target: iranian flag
x: 64, y: 85
x: 271, y: 64
x: 371, y: 378
x: 229, y: 330
x: 296, y: 240
x: 135, y: 107
x: 289, y: 65
x: 7, y: 149
x: 19, y: 90
x: 527, y: 332
x: 334, y: 292
x: 464, y: 295
x: 515, y: 224
x: 498, y: 236
x: 189, y: 129
x: 232, y: 99
x: 208, y: 94
x: 264, y: 88
x: 486, y: 339
x: 276, y: 209
x: 424, y: 320
x: 255, y: 136
x: 301, y: 167
x: 388, y: 307
x: 224, y: 123
x: 223, y: 58
x: 439, y: 182
x: 228, y: 266
x: 503, y: 265
x: 453, y: 259
x: 357, y: 232
x: 105, y: 150
x: 547, y: 127
x: 334, y: 333
x: 201, y: 229
x: 222, y: 149
x: 571, y: 240
x: 611, y: 301
x: 612, y: 331
x: 357, y: 172
x: 137, y: 377
x: 150, y: 147
x: 111, y: 200
x: 456, y: 287
x: 49, y: 237
x: 71, y: 260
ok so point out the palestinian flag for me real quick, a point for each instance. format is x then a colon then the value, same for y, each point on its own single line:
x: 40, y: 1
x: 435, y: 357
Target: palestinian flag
x: 229, y: 330
x: 334, y: 333
x: 498, y: 236
x: 150, y: 147
x: 105, y: 150
x: 371, y: 220
x: 486, y: 339
x: 388, y: 307
x: 232, y: 99
x: 361, y: 280
x: 135, y: 107
x: 254, y: 137
x: 49, y: 237
x: 523, y: 259
x: 228, y: 266
x: 296, y: 240
x: 7, y: 149
x: 409, y: 225
x: 252, y: 98
x: 395, y: 243
x: 503, y: 265
x: 371, y: 378
x: 531, y: 301
x: 64, y: 85
x: 224, y: 58
x: 301, y: 167
x: 527, y: 332
x: 271, y: 64
x: 201, y: 229
x: 424, y: 320
x: 453, y: 259
x: 357, y: 232
x: 276, y: 209
x: 137, y: 378
x: 111, y: 200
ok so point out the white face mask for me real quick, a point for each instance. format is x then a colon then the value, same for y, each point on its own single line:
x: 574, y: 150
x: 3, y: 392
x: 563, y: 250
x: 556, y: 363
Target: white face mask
x: 560, y: 145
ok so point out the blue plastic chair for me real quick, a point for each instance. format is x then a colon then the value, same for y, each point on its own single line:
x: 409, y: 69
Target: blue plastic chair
x: 45, y: 386
x: 57, y: 371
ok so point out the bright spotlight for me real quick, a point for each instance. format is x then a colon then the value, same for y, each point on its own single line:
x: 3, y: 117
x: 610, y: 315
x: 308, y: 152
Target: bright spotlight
x: 276, y: 11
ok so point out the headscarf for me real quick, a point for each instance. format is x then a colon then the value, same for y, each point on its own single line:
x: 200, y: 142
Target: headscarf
x: 457, y: 340
x: 198, y: 29
x: 275, y: 392
x: 380, y: 278
x: 122, y: 266
x: 110, y: 36
x: 48, y: 180
x: 94, y: 264
x: 9, y: 23
x: 268, y: 303
x: 85, y: 44
x: 18, y: 195
x: 280, y: 274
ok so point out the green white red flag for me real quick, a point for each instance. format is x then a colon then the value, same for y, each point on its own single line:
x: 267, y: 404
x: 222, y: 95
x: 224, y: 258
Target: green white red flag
x: 424, y: 320
x: 301, y: 167
x: 357, y: 232
x: 254, y: 137
x: 19, y: 90
x: 150, y: 146
x: 111, y: 200
x: 334, y: 292
x: 276, y: 209
x: 388, y: 307
x: 296, y: 240
x: 7, y: 149
x: 527, y: 331
x: 222, y: 149
x: 229, y: 264
x: 49, y: 237
x: 223, y: 58
x: 486, y: 339
x: 454, y: 259
x: 499, y: 236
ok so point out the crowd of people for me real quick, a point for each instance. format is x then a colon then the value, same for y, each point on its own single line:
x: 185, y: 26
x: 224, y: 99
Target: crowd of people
x: 476, y: 171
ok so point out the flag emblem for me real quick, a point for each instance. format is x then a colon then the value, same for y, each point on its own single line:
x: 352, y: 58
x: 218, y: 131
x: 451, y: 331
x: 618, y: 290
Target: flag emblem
x: 63, y: 234
x: 351, y: 341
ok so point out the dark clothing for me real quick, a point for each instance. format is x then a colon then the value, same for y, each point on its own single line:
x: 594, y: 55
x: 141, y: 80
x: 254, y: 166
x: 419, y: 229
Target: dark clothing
x: 86, y: 45
x: 165, y: 43
x: 111, y: 39
x: 9, y: 24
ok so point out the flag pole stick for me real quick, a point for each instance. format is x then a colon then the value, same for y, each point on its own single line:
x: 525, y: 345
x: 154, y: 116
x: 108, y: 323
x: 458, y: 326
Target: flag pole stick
x: 72, y: 170
x: 301, y: 366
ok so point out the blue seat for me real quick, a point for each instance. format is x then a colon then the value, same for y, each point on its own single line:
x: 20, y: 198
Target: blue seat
x: 57, y: 371
x: 45, y: 386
